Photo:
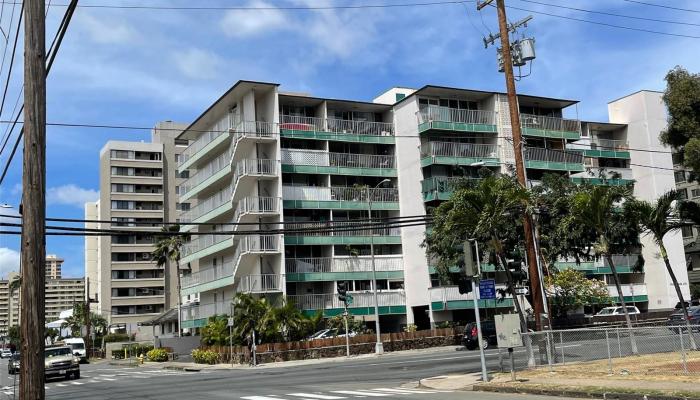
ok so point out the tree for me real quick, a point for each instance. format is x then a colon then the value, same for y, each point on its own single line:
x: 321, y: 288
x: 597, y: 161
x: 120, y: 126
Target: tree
x: 50, y: 334
x: 292, y: 323
x: 254, y: 315
x: 605, y: 211
x: 569, y: 289
x: 76, y: 321
x: 13, y: 335
x: 216, y: 331
x: 168, y: 249
x: 682, y: 100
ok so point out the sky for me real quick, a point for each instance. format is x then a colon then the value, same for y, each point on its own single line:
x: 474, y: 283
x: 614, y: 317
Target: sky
x: 135, y: 67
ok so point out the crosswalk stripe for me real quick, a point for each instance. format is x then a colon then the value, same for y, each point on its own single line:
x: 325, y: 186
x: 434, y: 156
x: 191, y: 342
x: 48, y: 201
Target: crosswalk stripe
x: 404, y: 391
x: 93, y: 381
x: 77, y: 383
x: 260, y: 398
x: 8, y: 392
x: 106, y: 379
x: 46, y: 387
x: 314, y: 396
x: 360, y: 393
x: 61, y: 384
x: 107, y: 375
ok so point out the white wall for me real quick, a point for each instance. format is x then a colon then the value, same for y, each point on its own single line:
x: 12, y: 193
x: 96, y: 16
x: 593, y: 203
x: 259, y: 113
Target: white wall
x: 645, y: 114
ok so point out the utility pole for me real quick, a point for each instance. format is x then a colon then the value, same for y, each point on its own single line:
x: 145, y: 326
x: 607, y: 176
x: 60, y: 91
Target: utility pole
x: 518, y: 147
x: 88, y: 317
x: 33, y: 246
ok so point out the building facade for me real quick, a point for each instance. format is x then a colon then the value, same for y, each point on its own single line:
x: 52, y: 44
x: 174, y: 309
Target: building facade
x: 53, y: 266
x: 137, y: 193
x: 690, y: 190
x: 260, y: 159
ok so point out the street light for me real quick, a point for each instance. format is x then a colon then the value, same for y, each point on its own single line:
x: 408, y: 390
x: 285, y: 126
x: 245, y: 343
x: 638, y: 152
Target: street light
x: 379, y: 347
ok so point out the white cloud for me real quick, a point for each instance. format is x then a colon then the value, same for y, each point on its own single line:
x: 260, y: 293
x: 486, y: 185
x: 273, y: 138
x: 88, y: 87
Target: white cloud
x: 71, y: 195
x: 9, y: 261
x: 106, y: 30
x: 242, y: 23
x: 197, y: 63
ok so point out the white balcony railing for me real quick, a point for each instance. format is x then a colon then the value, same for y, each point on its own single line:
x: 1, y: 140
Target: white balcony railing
x: 209, y: 274
x: 252, y: 130
x: 337, y: 228
x: 202, y: 242
x: 609, y: 144
x: 446, y: 114
x: 256, y: 205
x: 210, y: 203
x: 321, y: 158
x: 257, y: 244
x: 255, y: 167
x: 342, y: 264
x: 360, y: 299
x: 629, y: 289
x: 452, y: 149
x: 202, y: 311
x: 335, y: 193
x: 220, y: 128
x: 335, y: 125
x: 553, y: 155
x: 550, y: 123
x: 206, y: 172
x: 265, y: 283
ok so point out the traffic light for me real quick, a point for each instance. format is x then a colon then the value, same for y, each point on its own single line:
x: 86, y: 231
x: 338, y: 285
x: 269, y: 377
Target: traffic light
x: 517, y: 271
x: 470, y: 267
x: 343, y: 291
x: 463, y: 283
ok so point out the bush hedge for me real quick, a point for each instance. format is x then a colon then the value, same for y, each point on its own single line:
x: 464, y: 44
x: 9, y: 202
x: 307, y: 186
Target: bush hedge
x: 134, y: 350
x: 157, y: 355
x: 116, y: 337
x: 205, y: 356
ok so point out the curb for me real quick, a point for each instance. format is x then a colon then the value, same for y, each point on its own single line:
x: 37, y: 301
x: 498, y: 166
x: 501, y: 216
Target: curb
x: 575, y: 393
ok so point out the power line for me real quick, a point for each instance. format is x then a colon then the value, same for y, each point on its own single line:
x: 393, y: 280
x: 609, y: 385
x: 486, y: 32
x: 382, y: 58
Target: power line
x: 266, y: 8
x: 9, y: 75
x: 662, y: 6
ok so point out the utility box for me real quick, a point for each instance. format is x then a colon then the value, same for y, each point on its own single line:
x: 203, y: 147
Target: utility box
x: 508, y: 331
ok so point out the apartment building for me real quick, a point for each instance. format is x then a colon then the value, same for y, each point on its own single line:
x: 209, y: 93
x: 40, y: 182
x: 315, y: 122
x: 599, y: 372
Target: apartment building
x: 137, y: 193
x: 53, y: 266
x: 61, y: 295
x: 258, y: 157
x: 691, y: 236
x: 9, y: 304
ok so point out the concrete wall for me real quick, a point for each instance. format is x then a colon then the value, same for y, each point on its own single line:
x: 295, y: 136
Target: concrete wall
x: 182, y: 345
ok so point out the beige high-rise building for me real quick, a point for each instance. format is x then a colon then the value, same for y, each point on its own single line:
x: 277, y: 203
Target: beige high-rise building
x: 9, y: 305
x: 137, y: 193
x: 53, y: 266
x: 61, y: 295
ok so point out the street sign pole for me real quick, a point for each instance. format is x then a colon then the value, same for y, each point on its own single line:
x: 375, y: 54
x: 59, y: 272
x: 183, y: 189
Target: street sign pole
x: 475, y: 288
x: 347, y: 334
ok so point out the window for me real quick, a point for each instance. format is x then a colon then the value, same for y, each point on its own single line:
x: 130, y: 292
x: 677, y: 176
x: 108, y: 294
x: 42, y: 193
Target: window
x: 122, y: 188
x: 177, y: 189
x: 128, y: 154
x: 687, y: 232
x: 122, y: 205
x: 181, y: 142
x: 183, y: 206
x: 695, y: 193
x: 683, y: 194
x: 680, y: 176
x: 185, y: 174
x: 122, y: 171
x: 400, y: 96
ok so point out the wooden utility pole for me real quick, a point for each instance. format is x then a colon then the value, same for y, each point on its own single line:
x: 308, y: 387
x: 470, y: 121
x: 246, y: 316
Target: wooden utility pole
x: 33, y: 203
x: 88, y: 343
x: 518, y: 148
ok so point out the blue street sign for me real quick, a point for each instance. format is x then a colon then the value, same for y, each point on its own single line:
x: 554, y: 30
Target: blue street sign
x: 487, y: 289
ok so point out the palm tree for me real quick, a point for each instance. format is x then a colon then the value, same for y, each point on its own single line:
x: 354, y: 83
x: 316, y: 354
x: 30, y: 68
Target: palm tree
x: 657, y: 220
x: 168, y: 249
x: 605, y: 211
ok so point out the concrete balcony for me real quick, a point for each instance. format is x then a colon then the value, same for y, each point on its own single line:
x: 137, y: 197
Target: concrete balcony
x: 252, y: 207
x: 554, y: 159
x: 260, y: 284
x: 632, y: 292
x: 339, y: 198
x: 339, y: 232
x: 440, y: 187
x: 342, y: 268
x: 604, y: 176
x: 255, y: 245
x: 210, y: 141
x: 205, y: 177
x: 205, y: 245
x: 336, y: 129
x: 602, y: 148
x: 458, y: 120
x: 248, y: 171
x: 196, y: 316
x: 452, y: 153
x: 624, y: 264
x: 443, y: 298
x: 390, y: 302
x: 323, y: 162
x: 208, y: 278
x: 248, y: 133
x: 210, y: 207
x: 550, y: 127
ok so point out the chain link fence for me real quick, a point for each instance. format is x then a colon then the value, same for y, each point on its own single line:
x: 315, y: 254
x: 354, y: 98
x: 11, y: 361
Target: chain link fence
x: 642, y: 350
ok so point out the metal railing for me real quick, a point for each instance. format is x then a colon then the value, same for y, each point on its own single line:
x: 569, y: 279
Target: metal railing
x: 258, y: 244
x: 255, y: 167
x: 252, y: 130
x: 609, y: 144
x: 360, y: 299
x: 553, y: 155
x: 337, y: 228
x: 442, y: 184
x: 220, y: 128
x: 259, y: 283
x: 209, y: 274
x: 550, y: 123
x: 342, y: 264
x: 446, y: 114
x: 454, y: 149
x: 210, y: 203
x: 336, y: 125
x: 201, y: 311
x: 628, y: 289
x: 339, y: 193
x: 451, y: 293
x: 202, y: 242
x: 219, y: 163
x: 256, y: 205
x: 621, y: 260
x: 321, y: 158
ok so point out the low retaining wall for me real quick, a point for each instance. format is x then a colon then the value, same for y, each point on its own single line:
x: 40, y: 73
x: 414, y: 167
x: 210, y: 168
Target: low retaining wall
x: 180, y: 345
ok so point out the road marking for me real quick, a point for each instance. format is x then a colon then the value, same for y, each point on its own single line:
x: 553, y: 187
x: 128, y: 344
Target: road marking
x: 61, y: 384
x: 77, y: 383
x: 360, y: 393
x: 46, y: 387
x: 8, y: 392
x: 405, y: 391
x: 107, y: 379
x: 107, y: 375
x: 93, y: 381
x: 260, y: 398
x: 314, y: 396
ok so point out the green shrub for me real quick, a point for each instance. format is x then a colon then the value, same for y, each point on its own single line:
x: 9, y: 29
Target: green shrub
x: 133, y: 350
x: 116, y: 337
x: 204, y: 356
x: 410, y: 328
x: 157, y: 355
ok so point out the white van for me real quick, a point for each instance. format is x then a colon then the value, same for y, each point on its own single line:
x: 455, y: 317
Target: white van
x: 77, y: 346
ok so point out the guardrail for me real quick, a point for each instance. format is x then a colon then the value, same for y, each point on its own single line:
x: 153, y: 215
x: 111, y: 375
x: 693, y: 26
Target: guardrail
x: 342, y: 264
x: 202, y: 242
x: 256, y: 205
x: 256, y: 167
x: 220, y: 128
x: 446, y: 114
x: 219, y: 163
x: 210, y: 203
x: 321, y: 158
x: 202, y: 311
x: 337, y: 228
x: 550, y: 123
x: 609, y: 144
x: 336, y: 125
x: 553, y: 155
x: 454, y: 149
x: 360, y: 299
x: 339, y: 193
x: 259, y: 283
x: 207, y: 275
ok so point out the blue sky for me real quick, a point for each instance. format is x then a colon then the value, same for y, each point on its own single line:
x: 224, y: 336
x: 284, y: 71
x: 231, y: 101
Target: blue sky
x: 138, y: 67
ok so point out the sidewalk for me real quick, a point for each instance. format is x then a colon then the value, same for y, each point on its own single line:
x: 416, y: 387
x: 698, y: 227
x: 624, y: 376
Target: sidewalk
x: 451, y: 382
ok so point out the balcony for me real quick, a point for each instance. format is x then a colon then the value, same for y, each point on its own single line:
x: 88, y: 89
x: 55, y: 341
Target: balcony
x: 443, y: 298
x: 632, y: 292
x: 255, y: 207
x: 209, y: 208
x: 550, y: 127
x: 339, y: 198
x: 339, y: 232
x: 248, y: 171
x: 605, y: 176
x: 553, y: 159
x: 336, y: 129
x: 251, y: 132
x: 452, y: 153
x: 390, y: 302
x: 624, y: 264
x: 441, y: 187
x: 204, y: 245
x: 342, y: 268
x: 196, y: 316
x: 210, y: 278
x: 206, y: 176
x: 457, y: 120
x: 323, y: 162
x: 210, y: 140
x: 254, y: 245
x: 605, y: 148
x: 267, y: 283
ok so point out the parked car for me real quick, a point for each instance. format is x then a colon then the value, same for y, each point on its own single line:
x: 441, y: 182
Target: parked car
x: 5, y: 353
x: 693, y: 302
x: 676, y: 321
x: 471, y: 335
x: 323, y: 334
x: 60, y: 361
x: 13, y: 364
x: 617, y: 310
x: 77, y: 345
